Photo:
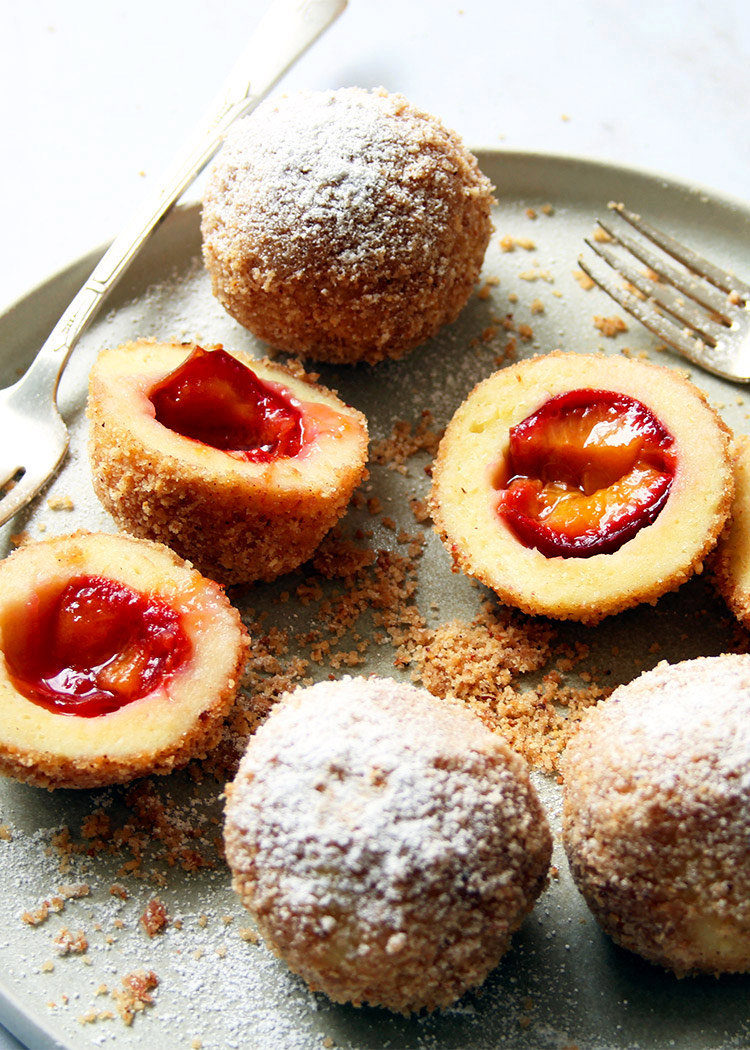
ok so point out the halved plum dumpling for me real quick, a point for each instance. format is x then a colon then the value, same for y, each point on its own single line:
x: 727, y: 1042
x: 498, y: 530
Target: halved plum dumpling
x: 238, y: 464
x: 118, y: 660
x: 577, y: 486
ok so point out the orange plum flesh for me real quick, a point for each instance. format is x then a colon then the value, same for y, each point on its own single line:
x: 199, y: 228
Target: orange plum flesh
x: 585, y: 473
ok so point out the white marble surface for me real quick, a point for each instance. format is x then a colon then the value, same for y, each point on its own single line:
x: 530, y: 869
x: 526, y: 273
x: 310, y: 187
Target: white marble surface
x: 97, y: 96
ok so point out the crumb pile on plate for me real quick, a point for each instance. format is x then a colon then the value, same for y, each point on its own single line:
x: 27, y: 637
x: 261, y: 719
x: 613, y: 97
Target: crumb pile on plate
x: 238, y: 517
x: 118, y: 660
x: 386, y: 842
x: 657, y: 814
x: 344, y: 225
x: 473, y: 471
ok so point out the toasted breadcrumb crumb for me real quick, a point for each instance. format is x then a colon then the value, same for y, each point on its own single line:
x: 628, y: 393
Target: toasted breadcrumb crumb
x: 610, y: 326
x: 154, y: 918
x: 406, y: 440
x: 583, y: 280
x: 135, y: 995
x: 509, y: 244
x: 60, y: 503
x: 66, y: 942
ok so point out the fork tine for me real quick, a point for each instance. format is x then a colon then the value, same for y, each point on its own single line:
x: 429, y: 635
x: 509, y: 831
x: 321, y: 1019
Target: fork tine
x: 18, y: 496
x: 662, y: 295
x: 722, y: 279
x: 8, y: 474
x: 697, y: 290
x: 661, y: 326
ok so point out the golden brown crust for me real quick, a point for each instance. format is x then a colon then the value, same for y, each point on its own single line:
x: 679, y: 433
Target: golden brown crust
x: 656, y: 817
x: 731, y: 565
x: 386, y: 842
x: 236, y: 521
x: 156, y: 734
x: 659, y: 558
x: 344, y: 225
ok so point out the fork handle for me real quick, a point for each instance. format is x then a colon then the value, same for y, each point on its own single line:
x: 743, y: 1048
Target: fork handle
x: 285, y: 31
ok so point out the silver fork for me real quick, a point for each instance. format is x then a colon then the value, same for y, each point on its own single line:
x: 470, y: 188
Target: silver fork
x: 698, y: 309
x: 33, y: 436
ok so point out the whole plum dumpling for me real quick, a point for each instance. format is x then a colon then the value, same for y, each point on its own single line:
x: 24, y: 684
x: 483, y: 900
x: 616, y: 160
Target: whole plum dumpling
x: 656, y: 817
x: 387, y: 843
x: 344, y: 225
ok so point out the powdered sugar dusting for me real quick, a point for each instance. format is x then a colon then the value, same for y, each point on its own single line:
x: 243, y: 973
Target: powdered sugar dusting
x: 686, y: 724
x: 301, y: 182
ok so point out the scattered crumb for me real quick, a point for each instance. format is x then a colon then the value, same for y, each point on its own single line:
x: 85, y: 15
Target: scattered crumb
x: 486, y: 289
x: 536, y: 275
x: 509, y: 243
x: 154, y: 918
x: 135, y: 995
x: 67, y: 942
x: 406, y: 440
x: 60, y: 503
x: 610, y: 326
x: 601, y: 236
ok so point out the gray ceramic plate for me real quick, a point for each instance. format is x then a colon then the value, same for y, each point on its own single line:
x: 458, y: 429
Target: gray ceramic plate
x: 563, y: 983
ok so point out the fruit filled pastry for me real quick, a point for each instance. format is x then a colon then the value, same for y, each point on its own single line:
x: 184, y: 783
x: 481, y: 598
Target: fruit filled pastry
x: 576, y: 486
x: 344, y: 225
x: 239, y: 465
x: 386, y: 841
x: 117, y: 660
x: 732, y: 563
x: 656, y: 814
